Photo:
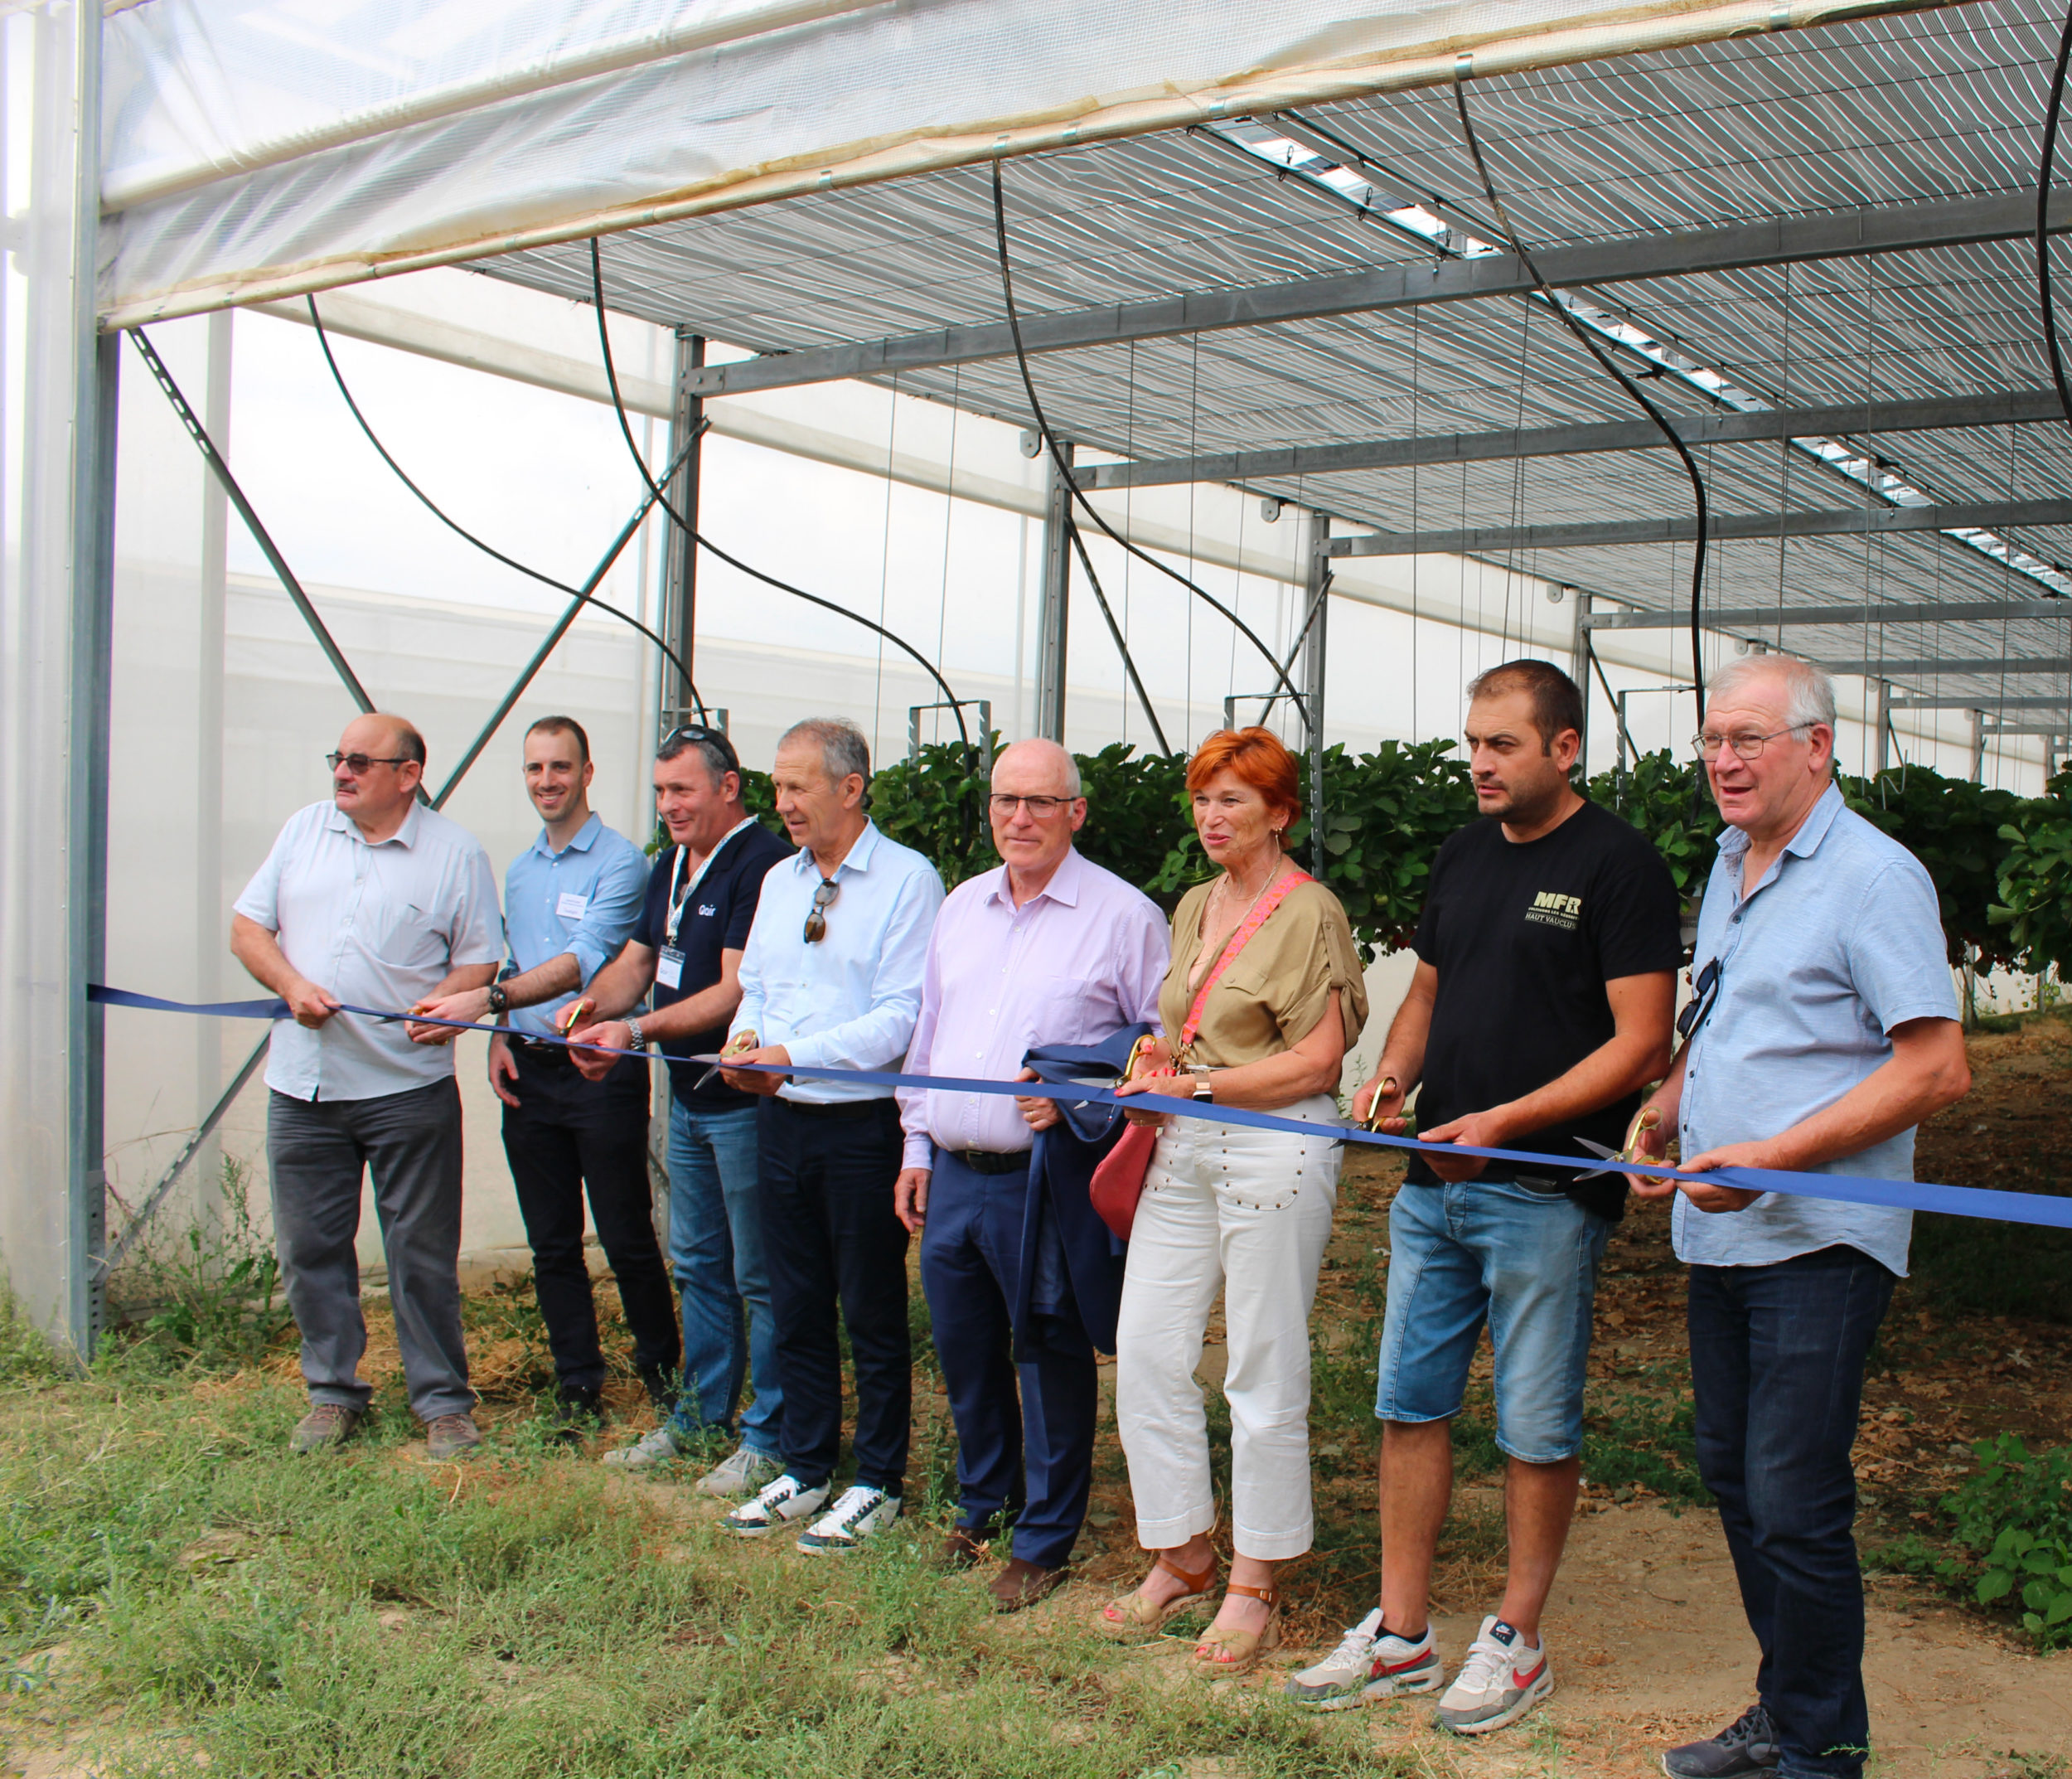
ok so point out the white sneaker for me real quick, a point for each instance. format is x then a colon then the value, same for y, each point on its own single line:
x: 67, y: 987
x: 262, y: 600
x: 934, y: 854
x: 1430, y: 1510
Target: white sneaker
x: 743, y: 1473
x: 860, y: 1512
x: 650, y: 1452
x: 1366, y: 1666
x: 785, y: 1498
x: 1500, y: 1681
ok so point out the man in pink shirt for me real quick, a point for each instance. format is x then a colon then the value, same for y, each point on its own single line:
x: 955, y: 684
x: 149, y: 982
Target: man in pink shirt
x: 1048, y: 949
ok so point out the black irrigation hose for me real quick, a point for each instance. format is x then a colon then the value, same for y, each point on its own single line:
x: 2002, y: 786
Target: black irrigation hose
x: 1611, y: 369
x: 1115, y: 630
x: 462, y: 531
x: 1064, y: 469
x: 705, y: 544
x: 2046, y: 296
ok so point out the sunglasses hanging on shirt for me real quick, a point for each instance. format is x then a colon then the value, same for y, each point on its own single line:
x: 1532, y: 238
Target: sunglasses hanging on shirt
x: 817, y: 917
x: 1704, y: 992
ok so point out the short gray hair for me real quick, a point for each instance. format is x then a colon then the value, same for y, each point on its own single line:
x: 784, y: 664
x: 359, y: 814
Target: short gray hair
x: 1809, y: 694
x: 843, y: 749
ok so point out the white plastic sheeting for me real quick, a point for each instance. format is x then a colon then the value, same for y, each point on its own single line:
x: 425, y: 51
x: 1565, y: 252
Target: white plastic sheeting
x: 50, y: 644
x: 261, y: 149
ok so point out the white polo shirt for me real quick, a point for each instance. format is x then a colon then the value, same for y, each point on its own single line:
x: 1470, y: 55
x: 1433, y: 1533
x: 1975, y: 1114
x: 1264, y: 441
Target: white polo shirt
x: 378, y: 926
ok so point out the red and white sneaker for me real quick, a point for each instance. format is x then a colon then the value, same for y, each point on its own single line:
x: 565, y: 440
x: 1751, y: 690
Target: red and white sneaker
x: 1367, y: 1665
x: 1500, y: 1681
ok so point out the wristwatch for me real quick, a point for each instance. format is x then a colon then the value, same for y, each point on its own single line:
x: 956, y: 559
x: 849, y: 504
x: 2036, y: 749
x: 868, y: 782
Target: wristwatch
x: 635, y: 1038
x: 1202, y: 1089
x: 499, y: 1001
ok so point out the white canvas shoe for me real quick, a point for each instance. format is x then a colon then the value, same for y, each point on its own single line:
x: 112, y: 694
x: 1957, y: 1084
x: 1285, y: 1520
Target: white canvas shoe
x: 775, y: 1504
x: 860, y: 1512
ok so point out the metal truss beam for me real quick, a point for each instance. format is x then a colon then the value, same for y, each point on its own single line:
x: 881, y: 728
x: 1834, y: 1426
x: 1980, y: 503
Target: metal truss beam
x: 1777, y: 240
x: 2060, y: 703
x: 2026, y: 729
x: 1892, y: 667
x: 1732, y: 619
x: 2023, y: 407
x: 1849, y: 521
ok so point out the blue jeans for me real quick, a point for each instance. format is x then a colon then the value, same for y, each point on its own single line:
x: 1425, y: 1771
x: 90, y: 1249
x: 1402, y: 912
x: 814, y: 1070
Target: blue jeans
x: 715, y: 1251
x: 1777, y: 1358
x: 1527, y: 1261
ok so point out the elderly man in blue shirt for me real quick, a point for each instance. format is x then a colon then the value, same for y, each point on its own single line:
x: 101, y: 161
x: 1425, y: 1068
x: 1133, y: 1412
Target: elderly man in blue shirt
x: 570, y: 899
x: 831, y: 977
x: 1823, y: 1028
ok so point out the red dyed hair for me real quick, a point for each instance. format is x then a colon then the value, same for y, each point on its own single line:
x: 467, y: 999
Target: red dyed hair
x: 1260, y: 757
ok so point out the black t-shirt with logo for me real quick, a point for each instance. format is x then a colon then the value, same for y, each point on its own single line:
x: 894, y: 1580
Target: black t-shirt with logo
x: 713, y: 919
x: 1524, y: 937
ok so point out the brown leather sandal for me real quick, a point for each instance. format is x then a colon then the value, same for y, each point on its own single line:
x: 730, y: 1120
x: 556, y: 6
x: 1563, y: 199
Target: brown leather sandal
x: 1226, y: 1651
x: 1133, y: 1615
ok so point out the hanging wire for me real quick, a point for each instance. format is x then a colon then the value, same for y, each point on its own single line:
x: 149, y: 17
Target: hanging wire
x: 460, y: 531
x: 1071, y: 481
x: 1610, y: 368
x: 2047, y: 295
x: 734, y: 562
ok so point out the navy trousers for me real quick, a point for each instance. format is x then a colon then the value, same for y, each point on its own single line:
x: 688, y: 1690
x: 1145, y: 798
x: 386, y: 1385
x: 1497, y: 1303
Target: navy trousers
x: 1777, y: 1358
x: 1024, y: 1433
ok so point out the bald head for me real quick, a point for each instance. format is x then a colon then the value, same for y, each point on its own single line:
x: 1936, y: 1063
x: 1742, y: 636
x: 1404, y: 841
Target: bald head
x: 378, y: 767
x: 1037, y: 759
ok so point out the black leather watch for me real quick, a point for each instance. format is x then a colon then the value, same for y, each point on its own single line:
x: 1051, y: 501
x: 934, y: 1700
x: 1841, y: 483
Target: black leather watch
x: 499, y: 1001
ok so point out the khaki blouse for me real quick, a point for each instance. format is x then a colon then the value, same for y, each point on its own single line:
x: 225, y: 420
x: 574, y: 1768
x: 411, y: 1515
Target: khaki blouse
x: 1272, y: 995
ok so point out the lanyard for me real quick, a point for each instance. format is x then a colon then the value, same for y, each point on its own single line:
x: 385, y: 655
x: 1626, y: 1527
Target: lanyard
x: 676, y: 901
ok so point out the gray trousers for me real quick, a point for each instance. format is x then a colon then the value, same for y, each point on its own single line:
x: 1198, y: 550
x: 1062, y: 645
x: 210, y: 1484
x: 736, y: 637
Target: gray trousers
x: 317, y: 1152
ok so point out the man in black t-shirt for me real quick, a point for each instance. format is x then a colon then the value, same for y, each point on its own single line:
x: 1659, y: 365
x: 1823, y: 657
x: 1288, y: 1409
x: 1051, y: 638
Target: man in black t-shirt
x: 1541, y: 1007
x: 686, y: 951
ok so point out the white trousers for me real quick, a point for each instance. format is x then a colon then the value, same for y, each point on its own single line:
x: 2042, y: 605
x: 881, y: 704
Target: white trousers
x: 1245, y: 1212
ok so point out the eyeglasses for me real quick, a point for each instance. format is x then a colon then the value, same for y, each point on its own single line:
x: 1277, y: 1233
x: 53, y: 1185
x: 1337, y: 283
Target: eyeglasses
x: 1707, y: 746
x: 1704, y: 992
x: 356, y: 763
x: 824, y: 896
x: 1042, y: 808
x: 715, y: 738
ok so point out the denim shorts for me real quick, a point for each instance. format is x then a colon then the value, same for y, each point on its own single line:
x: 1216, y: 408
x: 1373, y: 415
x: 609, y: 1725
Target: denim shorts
x: 1525, y: 1262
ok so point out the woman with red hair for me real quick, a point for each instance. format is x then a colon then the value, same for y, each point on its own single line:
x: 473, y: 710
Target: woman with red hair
x: 1264, y: 998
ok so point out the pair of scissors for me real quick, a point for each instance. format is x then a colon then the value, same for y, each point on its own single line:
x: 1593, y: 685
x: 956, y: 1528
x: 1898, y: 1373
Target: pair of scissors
x: 1373, y: 1122
x: 1616, y: 1159
x: 745, y: 1041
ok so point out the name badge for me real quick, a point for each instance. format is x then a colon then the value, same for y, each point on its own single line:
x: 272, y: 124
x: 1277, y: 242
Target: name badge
x: 669, y: 968
x: 571, y: 907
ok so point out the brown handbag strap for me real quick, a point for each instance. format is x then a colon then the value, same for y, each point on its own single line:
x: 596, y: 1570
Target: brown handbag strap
x: 1246, y: 928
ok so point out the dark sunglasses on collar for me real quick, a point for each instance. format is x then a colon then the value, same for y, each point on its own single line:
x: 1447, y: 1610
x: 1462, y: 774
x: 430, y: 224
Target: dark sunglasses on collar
x: 824, y: 895
x: 1704, y: 992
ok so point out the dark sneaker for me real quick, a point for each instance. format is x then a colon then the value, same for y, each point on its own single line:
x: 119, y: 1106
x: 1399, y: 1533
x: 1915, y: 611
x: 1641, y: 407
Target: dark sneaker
x: 1745, y: 1749
x: 860, y: 1512
x: 661, y: 1390
x: 577, y: 1412
x: 1368, y: 1665
x: 328, y: 1424
x: 1499, y: 1682
x: 452, y: 1436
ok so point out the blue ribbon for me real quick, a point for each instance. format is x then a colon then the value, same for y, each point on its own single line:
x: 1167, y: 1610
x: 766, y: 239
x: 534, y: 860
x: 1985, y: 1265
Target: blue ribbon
x: 1849, y: 1189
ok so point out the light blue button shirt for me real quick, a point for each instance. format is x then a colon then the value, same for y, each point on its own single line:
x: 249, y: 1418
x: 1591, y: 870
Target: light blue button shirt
x: 851, y: 1000
x: 583, y: 900
x: 1840, y: 943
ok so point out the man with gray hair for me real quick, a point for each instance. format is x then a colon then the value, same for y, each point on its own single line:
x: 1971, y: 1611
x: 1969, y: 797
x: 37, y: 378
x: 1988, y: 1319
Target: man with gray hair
x: 1048, y: 949
x: 831, y: 978
x: 1823, y: 1028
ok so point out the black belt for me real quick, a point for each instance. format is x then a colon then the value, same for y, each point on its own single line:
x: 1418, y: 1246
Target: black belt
x: 993, y: 1160
x: 840, y: 1108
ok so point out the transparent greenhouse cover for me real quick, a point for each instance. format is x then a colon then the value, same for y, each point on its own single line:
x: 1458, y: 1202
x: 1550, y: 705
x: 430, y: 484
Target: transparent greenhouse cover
x: 255, y: 147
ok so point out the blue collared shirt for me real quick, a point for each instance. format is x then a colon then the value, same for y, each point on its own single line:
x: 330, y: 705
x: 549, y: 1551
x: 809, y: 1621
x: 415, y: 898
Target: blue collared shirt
x: 582, y: 900
x: 849, y: 1001
x: 1841, y: 942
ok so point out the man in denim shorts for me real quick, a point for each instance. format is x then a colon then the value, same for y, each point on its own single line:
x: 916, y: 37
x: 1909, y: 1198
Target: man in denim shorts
x: 1546, y: 981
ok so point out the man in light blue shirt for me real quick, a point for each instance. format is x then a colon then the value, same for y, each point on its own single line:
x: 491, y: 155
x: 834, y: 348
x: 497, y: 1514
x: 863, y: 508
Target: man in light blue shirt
x: 831, y: 977
x: 570, y: 900
x: 1823, y: 1028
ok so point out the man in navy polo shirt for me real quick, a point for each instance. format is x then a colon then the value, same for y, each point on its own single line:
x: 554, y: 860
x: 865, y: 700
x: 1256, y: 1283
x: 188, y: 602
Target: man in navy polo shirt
x: 686, y: 949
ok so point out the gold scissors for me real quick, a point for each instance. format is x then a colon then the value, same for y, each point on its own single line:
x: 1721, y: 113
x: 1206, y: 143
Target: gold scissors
x: 1615, y: 1159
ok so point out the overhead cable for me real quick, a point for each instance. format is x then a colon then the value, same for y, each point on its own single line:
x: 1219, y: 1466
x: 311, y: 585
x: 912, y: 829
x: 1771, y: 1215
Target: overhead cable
x: 2047, y: 295
x: 462, y: 531
x: 1548, y: 295
x: 1072, y: 483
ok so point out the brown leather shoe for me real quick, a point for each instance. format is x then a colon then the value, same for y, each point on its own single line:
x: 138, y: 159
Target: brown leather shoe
x: 1023, y: 1583
x: 328, y: 1424
x: 961, y: 1550
x: 452, y: 1436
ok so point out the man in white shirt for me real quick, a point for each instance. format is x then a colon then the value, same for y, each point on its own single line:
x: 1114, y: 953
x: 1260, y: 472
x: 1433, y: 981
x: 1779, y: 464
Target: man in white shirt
x: 830, y: 977
x: 370, y: 900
